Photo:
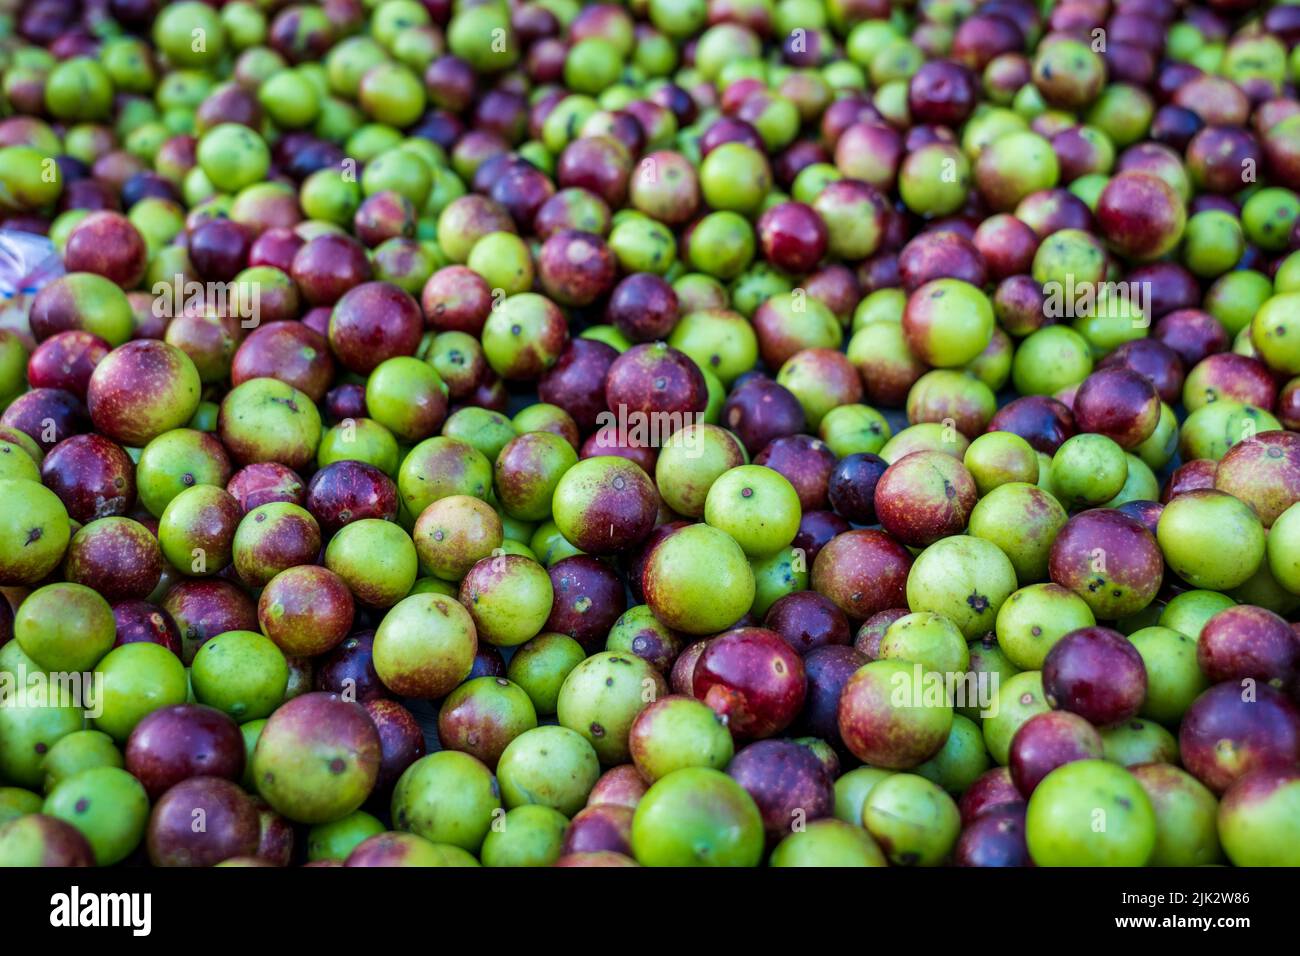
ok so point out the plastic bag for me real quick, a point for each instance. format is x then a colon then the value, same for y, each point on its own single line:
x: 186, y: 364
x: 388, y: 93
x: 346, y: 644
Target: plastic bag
x: 27, y: 263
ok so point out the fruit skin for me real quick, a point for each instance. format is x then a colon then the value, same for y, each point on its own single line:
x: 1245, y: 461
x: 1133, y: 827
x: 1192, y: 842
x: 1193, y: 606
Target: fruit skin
x: 1019, y: 699
x: 142, y: 389
x: 1034, y: 618
x: 1248, y: 642
x: 698, y: 581
x: 425, y: 646
x: 757, y: 506
x: 483, y: 715
x: 788, y: 783
x: 753, y: 679
x: 447, y: 797
x: 107, y: 805
x: 1096, y: 673
x: 65, y: 627
x: 1060, y: 823
x: 34, y: 532
x: 175, y: 743
x: 541, y: 665
x: 1186, y: 831
x: 1263, y: 472
x: 828, y: 843
x: 888, y: 719
x: 1257, y: 819
x: 1235, y: 728
x: 306, y: 610
x: 264, y: 419
x: 605, y: 504
x: 863, y: 571
x: 93, y: 477
x: 676, y: 732
x: 1047, y: 741
x: 965, y: 579
x: 272, y: 538
x: 137, y: 680
x: 602, y: 697
x: 997, y: 838
x: 240, y: 673
x: 552, y: 766
x: 509, y: 597
x: 1110, y: 560
x: 531, y: 835
x: 1174, y: 679
x: 1211, y: 539
x: 35, y: 839
x: 317, y: 758
x: 913, y: 820
x: 231, y: 827
x: 925, y: 496
x: 697, y: 817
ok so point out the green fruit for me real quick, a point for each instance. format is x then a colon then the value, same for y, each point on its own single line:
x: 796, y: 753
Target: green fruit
x: 447, y: 797
x: 1185, y: 811
x: 16, y: 802
x: 376, y: 559
x: 965, y: 579
x: 108, y: 806
x: 601, y: 698
x: 1258, y: 819
x: 828, y: 843
x: 139, y: 678
x: 528, y: 835
x: 678, y: 732
x: 177, y: 460
x: 541, y: 666
x: 1187, y: 612
x: 961, y: 761
x: 1138, y: 741
x: 78, y: 751
x: 425, y: 646
x: 852, y: 790
x: 1174, y: 678
x: 1019, y: 698
x: 509, y: 597
x: 240, y: 673
x: 233, y: 156
x: 335, y: 840
x: 549, y: 766
x: 1088, y: 470
x: 928, y: 639
x: 1090, y: 813
x: 697, y: 817
x: 691, y: 461
x: 1035, y: 618
x: 913, y: 820
x: 65, y: 627
x: 29, y: 727
x: 698, y: 581
x: 190, y: 33
x: 1211, y: 539
x: 34, y: 532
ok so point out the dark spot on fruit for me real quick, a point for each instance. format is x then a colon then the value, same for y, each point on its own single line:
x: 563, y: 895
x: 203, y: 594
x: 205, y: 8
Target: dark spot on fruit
x: 34, y: 535
x: 597, y: 730
x: 978, y: 602
x: 81, y: 805
x: 1036, y: 631
x: 338, y: 765
x: 41, y: 747
x: 746, y: 492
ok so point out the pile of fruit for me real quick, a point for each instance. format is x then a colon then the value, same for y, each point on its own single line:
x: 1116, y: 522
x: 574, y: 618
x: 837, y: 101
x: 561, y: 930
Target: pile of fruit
x: 694, y: 432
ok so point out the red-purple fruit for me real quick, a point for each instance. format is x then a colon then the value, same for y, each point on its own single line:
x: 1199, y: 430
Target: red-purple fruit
x: 655, y: 379
x: 576, y: 268
x: 1110, y: 560
x: 372, y: 322
x: 288, y: 351
x: 117, y: 557
x: 600, y: 828
x: 1096, y: 673
x: 306, y: 610
x: 66, y: 361
x: 828, y: 669
x: 456, y: 299
x: 1264, y: 472
x: 995, y: 838
x: 264, y: 482
x: 589, y: 598
x: 753, y: 679
x: 925, y: 496
x: 1043, y: 422
x: 184, y: 741
x: 107, y: 244
x: 347, y: 491
x: 329, y: 265
x: 793, y: 237
x: 1047, y: 741
x: 1238, y: 727
x: 93, y: 477
x: 643, y: 307
x: 863, y: 571
x: 231, y: 827
x: 621, y: 786
x: 805, y: 462
x: 1249, y: 643
x: 206, y: 608
x: 140, y: 621
x: 142, y: 389
x: 788, y: 783
x: 1118, y: 403
x: 1140, y: 215
x: 401, y: 741
x: 349, y: 670
x: 808, y: 621
x: 761, y: 410
x: 992, y: 789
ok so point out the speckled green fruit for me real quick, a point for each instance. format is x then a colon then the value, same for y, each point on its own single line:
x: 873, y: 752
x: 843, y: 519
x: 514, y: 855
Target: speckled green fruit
x: 1174, y: 679
x: 447, y: 797
x: 756, y: 506
x: 233, y: 156
x: 176, y: 460
x: 698, y: 580
x: 603, y: 695
x: 998, y: 458
x: 16, y: 802
x: 527, y: 470
x: 913, y: 820
x: 1090, y: 813
x: 509, y: 597
x: 678, y: 732
x: 108, y: 806
x: 139, y: 678
x: 28, y: 726
x: 34, y: 531
x: 65, y: 627
x: 928, y: 639
x: 376, y: 559
x: 777, y: 575
x: 528, y: 835
x: 16, y: 463
x: 1138, y: 741
x: 541, y: 666
x: 550, y: 766
x: 828, y: 843
x: 1023, y: 521
x: 852, y: 790
x: 241, y: 673
x: 425, y: 646
x: 1212, y: 429
x: 1211, y: 539
x: 1282, y: 549
x: 691, y: 461
x: 965, y: 579
x: 697, y: 817
x: 1187, y: 612
x: 854, y: 429
x: 1087, y: 470
x: 1034, y: 618
x: 1018, y: 699
x: 78, y: 751
x: 961, y: 760
x: 335, y: 840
